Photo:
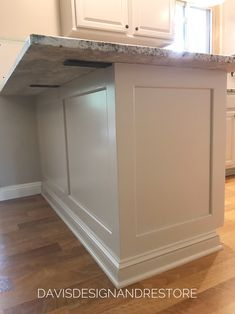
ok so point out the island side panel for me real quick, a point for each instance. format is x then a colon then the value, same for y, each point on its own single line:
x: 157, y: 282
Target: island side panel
x: 78, y: 152
x: 51, y: 135
x: 171, y: 143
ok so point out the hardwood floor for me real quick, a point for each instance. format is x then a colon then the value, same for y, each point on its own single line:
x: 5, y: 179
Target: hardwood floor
x: 37, y: 250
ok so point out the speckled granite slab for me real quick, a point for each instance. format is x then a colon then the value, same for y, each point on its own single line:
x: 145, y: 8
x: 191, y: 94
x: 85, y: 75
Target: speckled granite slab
x: 41, y: 61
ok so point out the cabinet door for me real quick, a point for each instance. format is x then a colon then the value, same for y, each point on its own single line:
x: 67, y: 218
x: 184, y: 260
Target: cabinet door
x: 109, y: 15
x: 153, y: 18
x: 230, y: 139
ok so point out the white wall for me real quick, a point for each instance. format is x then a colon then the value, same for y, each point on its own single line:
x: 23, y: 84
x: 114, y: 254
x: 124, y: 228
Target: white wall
x: 19, y: 19
x: 228, y: 36
x: 19, y: 155
x: 8, y: 52
x: 228, y: 33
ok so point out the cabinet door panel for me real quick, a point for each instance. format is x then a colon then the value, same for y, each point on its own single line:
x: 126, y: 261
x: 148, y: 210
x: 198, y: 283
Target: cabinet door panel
x: 230, y: 139
x: 153, y: 18
x: 109, y: 15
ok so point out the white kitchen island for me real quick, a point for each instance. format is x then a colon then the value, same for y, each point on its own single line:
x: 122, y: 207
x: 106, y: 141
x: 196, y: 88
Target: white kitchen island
x: 132, y: 147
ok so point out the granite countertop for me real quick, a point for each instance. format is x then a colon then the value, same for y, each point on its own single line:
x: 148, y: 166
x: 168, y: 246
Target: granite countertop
x: 41, y: 62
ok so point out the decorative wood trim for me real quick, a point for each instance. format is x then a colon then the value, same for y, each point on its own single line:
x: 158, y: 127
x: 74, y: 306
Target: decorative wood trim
x: 128, y: 271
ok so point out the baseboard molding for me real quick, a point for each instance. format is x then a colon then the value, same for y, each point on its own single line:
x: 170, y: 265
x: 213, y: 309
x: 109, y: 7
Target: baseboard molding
x: 20, y: 190
x: 105, y: 259
x: 125, y: 272
x: 171, y: 260
x: 230, y: 172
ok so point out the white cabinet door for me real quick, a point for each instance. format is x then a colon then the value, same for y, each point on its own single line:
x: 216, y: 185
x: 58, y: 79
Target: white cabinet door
x: 153, y: 18
x: 109, y: 15
x: 230, y: 139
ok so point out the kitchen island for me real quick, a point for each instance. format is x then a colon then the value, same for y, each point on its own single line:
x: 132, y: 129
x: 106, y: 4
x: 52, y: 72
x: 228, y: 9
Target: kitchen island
x: 132, y: 148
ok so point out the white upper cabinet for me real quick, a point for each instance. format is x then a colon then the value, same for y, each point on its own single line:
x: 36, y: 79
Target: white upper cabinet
x: 153, y: 18
x: 109, y: 15
x: 141, y: 22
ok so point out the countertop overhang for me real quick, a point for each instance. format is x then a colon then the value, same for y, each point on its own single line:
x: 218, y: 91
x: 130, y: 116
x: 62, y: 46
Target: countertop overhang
x: 49, y: 62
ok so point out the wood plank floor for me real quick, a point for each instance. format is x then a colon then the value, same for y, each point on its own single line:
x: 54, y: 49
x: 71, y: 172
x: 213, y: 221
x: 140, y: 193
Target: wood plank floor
x: 37, y: 250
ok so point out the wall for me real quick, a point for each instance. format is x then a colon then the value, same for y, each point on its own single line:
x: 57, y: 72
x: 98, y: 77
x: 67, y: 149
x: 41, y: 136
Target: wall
x: 228, y: 33
x: 19, y: 156
x: 228, y: 36
x: 18, y: 19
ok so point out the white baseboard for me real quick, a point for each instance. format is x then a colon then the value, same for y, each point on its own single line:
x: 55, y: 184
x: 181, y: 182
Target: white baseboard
x: 105, y: 260
x: 20, y: 190
x: 230, y: 172
x: 125, y: 272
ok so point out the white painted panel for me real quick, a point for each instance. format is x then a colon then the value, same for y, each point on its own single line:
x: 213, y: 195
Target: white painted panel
x: 153, y: 18
x: 170, y: 144
x: 110, y: 15
x: 89, y: 221
x: 88, y: 151
x: 179, y: 112
x: 52, y: 144
x: 159, y: 109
